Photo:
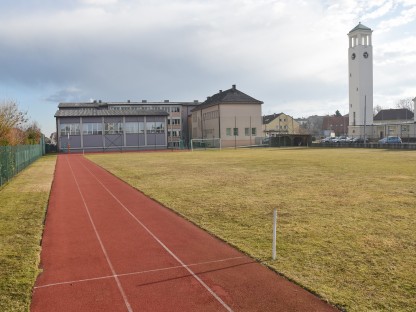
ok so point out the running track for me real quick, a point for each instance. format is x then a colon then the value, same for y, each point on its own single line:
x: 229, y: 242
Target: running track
x: 107, y: 247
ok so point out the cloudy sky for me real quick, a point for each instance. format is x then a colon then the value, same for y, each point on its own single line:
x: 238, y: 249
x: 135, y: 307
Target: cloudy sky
x: 292, y: 55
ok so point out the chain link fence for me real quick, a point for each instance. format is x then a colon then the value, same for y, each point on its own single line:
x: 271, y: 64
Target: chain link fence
x: 14, y: 159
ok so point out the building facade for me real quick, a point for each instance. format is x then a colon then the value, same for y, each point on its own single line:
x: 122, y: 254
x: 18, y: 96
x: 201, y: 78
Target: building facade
x: 94, y: 127
x: 277, y: 124
x: 176, y: 129
x: 395, y: 122
x: 230, y: 115
x: 338, y: 125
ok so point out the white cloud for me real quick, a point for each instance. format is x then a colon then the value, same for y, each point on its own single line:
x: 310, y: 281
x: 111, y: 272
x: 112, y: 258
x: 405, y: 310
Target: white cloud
x: 290, y: 54
x: 98, y: 2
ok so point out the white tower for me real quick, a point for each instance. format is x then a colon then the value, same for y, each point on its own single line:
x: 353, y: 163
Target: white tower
x: 360, y: 72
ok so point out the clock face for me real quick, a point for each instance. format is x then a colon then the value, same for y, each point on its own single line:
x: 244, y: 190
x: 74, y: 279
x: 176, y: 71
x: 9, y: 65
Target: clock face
x: 353, y: 56
x: 365, y: 54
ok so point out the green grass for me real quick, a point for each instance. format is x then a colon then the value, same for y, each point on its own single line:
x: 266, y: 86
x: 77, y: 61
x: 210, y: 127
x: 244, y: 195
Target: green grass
x: 23, y: 203
x: 346, y: 217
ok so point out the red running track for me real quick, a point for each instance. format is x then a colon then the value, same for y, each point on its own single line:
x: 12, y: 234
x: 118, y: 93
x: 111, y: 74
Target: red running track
x: 107, y: 247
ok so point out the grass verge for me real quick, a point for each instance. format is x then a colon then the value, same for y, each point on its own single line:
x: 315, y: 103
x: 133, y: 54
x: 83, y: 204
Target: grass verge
x: 23, y: 203
x: 346, y: 217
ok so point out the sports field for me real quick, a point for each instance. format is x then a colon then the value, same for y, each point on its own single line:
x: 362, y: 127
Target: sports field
x: 346, y: 217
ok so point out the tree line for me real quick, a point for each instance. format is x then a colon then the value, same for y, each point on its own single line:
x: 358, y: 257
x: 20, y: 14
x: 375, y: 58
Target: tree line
x: 15, y: 127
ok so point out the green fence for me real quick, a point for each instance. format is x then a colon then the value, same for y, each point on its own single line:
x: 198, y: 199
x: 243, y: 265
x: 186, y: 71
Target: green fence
x: 14, y: 159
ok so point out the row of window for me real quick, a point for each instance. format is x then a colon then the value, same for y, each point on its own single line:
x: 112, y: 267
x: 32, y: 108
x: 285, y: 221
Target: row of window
x: 112, y: 128
x: 174, y: 133
x: 281, y: 127
x: 169, y: 109
x: 210, y: 115
x: 174, y: 121
x: 246, y: 131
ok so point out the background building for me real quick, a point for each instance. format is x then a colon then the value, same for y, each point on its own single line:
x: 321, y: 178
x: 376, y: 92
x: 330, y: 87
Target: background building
x: 177, y: 128
x: 230, y: 115
x: 276, y: 124
x: 105, y: 127
x: 335, y: 124
x: 395, y: 122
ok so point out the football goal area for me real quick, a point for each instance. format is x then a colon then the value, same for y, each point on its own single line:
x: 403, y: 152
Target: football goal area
x: 198, y: 144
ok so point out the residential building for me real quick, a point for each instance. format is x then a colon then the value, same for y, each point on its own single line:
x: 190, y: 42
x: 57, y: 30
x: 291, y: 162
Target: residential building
x: 230, y: 115
x: 336, y: 124
x: 395, y: 122
x: 276, y: 124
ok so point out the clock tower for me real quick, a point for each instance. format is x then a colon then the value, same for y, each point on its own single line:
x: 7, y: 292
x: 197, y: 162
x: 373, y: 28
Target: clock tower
x: 360, y: 72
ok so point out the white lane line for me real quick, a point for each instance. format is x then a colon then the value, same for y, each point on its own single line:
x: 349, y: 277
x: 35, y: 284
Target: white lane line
x: 228, y: 308
x: 136, y: 273
x: 123, y: 294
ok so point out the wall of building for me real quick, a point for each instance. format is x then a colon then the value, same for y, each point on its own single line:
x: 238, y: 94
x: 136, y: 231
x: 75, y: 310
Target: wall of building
x: 281, y: 124
x: 111, y: 133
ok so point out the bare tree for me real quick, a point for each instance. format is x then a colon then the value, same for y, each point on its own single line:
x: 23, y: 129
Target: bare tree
x: 405, y: 103
x: 11, y: 118
x: 377, y: 109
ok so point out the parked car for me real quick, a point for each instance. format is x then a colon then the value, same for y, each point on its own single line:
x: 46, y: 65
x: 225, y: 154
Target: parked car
x: 327, y: 140
x: 359, y: 140
x: 390, y: 140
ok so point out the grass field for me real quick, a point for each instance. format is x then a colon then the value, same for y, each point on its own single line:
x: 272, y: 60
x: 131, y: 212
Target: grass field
x: 346, y: 217
x: 23, y: 203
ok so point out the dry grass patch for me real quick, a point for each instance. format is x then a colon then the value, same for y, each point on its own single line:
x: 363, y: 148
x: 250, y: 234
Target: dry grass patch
x: 23, y: 203
x: 346, y: 216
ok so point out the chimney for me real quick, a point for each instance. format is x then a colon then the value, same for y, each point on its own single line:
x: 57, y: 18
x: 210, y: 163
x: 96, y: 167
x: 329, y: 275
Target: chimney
x: 234, y: 87
x: 144, y: 101
x: 196, y: 101
x: 166, y: 101
x: 128, y: 101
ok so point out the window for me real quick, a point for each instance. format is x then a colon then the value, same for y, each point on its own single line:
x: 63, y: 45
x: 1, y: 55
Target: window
x: 235, y: 131
x: 228, y: 131
x: 253, y: 131
x: 113, y: 128
x: 160, y: 127
x: 247, y: 131
x: 69, y: 129
x: 155, y: 127
x: 92, y: 128
x: 131, y: 127
x: 174, y: 121
x: 134, y: 127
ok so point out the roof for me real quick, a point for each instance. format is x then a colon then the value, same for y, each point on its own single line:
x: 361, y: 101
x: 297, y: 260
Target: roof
x: 360, y: 27
x: 269, y: 118
x: 230, y: 96
x: 394, y: 114
x: 90, y: 112
x: 99, y: 104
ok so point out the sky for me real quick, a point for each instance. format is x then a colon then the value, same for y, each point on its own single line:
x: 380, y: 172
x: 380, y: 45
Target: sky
x: 292, y: 55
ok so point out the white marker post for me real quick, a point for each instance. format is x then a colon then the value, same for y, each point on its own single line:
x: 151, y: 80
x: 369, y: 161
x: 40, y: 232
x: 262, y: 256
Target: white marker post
x: 274, y: 234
